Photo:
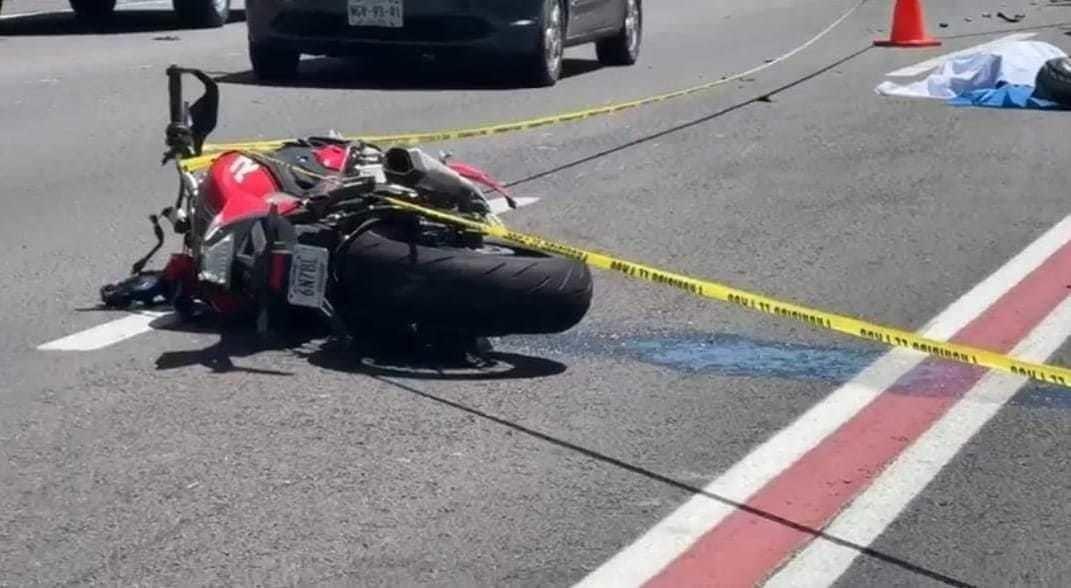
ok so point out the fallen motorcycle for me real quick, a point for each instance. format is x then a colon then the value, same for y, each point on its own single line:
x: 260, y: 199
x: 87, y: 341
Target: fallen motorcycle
x: 306, y: 231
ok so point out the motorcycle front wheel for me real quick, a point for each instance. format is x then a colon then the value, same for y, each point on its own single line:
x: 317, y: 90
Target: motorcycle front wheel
x: 490, y: 290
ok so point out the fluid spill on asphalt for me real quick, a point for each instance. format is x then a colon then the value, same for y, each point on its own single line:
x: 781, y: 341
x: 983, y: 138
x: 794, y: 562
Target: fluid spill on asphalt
x: 732, y: 355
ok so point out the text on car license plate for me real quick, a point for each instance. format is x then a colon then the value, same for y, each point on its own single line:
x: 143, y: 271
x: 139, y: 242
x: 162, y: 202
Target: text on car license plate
x: 376, y: 13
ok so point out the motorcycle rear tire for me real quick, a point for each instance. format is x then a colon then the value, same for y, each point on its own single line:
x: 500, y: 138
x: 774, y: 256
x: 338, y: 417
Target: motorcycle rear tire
x: 493, y: 291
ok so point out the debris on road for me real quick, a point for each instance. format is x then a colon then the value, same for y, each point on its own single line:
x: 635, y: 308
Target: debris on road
x: 1017, y: 18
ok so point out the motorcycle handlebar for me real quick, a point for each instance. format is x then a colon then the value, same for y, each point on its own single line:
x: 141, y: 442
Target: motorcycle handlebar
x: 174, y: 90
x: 189, y: 125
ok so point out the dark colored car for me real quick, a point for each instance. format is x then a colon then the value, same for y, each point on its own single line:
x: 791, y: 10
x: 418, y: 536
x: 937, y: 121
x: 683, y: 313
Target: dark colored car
x: 531, y: 34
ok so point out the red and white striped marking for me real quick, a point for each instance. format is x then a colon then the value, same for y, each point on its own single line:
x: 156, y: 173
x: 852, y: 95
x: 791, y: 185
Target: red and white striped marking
x: 880, y: 439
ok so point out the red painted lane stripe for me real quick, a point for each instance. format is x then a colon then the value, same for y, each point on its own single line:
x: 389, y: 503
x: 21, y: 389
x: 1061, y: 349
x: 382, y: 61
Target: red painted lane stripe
x: 745, y: 548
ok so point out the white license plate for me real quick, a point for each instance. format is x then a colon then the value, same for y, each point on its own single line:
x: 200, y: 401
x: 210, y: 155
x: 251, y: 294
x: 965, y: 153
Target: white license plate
x: 308, y: 276
x: 376, y: 13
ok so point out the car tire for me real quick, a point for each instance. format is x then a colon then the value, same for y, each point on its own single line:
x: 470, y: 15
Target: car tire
x: 624, y: 47
x: 93, y: 11
x: 203, y: 14
x: 271, y: 63
x: 490, y: 291
x: 1054, y: 81
x: 544, y: 66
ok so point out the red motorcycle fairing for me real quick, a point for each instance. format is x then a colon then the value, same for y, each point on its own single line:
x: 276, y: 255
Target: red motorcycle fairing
x: 475, y: 174
x: 331, y: 156
x: 237, y: 187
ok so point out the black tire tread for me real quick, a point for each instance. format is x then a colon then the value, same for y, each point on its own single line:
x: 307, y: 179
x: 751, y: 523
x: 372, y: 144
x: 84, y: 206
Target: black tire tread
x: 272, y: 64
x: 200, y: 14
x: 613, y: 51
x: 484, y: 294
x: 93, y: 11
x: 536, y: 74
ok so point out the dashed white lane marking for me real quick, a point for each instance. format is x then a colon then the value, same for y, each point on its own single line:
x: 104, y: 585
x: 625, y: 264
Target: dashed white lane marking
x: 925, y: 66
x: 500, y: 206
x: 823, y: 561
x: 111, y: 333
x: 656, y: 549
x: 138, y: 323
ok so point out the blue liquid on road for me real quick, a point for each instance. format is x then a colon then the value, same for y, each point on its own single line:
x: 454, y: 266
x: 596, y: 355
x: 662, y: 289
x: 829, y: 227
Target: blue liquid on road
x: 731, y: 355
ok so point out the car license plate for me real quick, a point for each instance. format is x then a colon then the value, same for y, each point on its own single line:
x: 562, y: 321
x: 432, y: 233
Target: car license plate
x: 308, y: 276
x: 376, y: 13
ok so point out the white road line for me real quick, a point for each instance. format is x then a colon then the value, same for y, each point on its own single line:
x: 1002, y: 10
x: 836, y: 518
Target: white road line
x: 656, y: 549
x: 500, y: 206
x: 136, y: 324
x: 111, y: 333
x: 925, y: 66
x: 822, y: 562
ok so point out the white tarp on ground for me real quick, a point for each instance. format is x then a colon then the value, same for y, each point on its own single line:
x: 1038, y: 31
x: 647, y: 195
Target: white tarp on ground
x: 1014, y: 62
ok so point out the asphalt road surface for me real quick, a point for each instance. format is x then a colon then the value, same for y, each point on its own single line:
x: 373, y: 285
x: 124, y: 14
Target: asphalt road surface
x: 666, y: 439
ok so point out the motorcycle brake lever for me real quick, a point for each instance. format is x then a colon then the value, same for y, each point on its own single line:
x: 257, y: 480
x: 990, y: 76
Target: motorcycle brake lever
x: 158, y: 232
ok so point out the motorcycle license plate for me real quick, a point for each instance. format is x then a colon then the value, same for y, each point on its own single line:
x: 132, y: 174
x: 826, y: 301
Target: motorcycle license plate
x: 308, y: 276
x: 376, y: 13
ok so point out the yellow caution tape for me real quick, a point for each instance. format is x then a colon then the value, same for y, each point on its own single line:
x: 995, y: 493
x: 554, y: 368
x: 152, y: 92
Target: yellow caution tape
x: 820, y: 319
x: 213, y: 150
x: 192, y: 164
x: 494, y: 129
x: 816, y: 318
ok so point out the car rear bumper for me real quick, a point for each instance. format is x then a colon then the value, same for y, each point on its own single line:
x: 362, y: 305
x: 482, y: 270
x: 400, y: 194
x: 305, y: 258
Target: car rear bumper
x: 320, y: 27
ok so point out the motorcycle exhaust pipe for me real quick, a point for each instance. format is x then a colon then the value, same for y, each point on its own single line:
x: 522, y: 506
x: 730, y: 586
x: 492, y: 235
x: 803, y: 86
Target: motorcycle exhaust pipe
x: 444, y: 186
x: 415, y: 169
x: 406, y: 163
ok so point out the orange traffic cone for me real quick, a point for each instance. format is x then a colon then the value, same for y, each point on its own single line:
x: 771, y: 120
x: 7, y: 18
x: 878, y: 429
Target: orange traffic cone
x: 908, y: 27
